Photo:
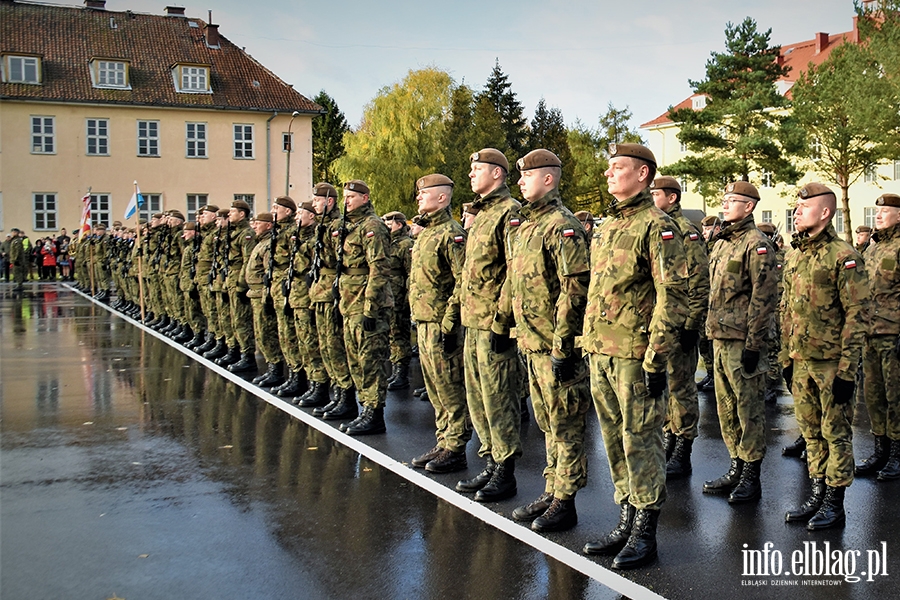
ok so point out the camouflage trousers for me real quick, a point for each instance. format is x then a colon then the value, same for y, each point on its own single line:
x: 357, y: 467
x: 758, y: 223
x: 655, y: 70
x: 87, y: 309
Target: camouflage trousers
x: 739, y: 401
x: 102, y: 276
x: 208, y: 306
x: 242, y: 320
x: 683, y: 406
x: 704, y: 346
x: 401, y: 346
x: 560, y: 410
x: 774, y: 377
x: 825, y: 425
x: 156, y: 295
x: 223, y: 308
x: 366, y: 351
x: 20, y: 272
x: 266, y: 330
x: 174, y: 298
x: 193, y: 315
x: 492, y: 395
x: 287, y: 331
x: 308, y: 341
x: 882, y: 385
x: 331, y: 345
x: 631, y: 423
x: 445, y: 382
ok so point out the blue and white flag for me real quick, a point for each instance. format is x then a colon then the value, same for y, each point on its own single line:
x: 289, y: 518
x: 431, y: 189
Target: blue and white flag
x: 136, y: 202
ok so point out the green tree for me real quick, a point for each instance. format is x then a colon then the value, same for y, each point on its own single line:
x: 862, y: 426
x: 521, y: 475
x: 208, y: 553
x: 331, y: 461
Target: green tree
x: 879, y: 28
x: 399, y: 139
x: 328, y: 132
x: 744, y: 128
x: 457, y: 142
x: 851, y: 115
x: 548, y: 131
x: 498, y: 91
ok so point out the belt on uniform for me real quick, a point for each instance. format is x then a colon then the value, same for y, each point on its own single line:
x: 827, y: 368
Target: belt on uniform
x: 357, y: 271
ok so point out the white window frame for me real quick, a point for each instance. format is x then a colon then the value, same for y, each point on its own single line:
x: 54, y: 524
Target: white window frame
x: 101, y: 140
x: 194, y: 202
x: 45, y: 217
x: 192, y: 79
x: 869, y: 216
x: 152, y: 205
x: 150, y: 141
x: 839, y: 219
x: 39, y: 139
x: 249, y: 199
x: 196, y: 146
x: 285, y: 139
x: 870, y: 175
x: 242, y: 145
x: 26, y: 62
x: 767, y: 216
x: 789, y: 220
x: 110, y: 74
x: 99, y: 214
x: 897, y: 169
x: 766, y: 179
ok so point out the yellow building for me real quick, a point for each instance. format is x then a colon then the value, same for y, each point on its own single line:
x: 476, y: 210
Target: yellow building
x: 93, y: 100
x: 776, y: 205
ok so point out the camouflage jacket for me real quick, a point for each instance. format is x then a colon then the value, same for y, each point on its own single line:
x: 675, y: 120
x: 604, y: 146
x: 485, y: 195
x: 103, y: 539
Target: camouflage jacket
x: 188, y: 262
x: 17, y: 249
x: 696, y: 253
x: 545, y: 291
x: 207, y: 235
x: 285, y: 232
x: 743, y: 284
x: 321, y: 290
x: 883, y: 267
x: 174, y: 251
x: 156, y: 237
x: 486, y: 263
x: 220, y: 245
x: 638, y: 298
x: 305, y: 239
x: 241, y: 243
x: 364, y: 284
x: 826, y: 296
x: 400, y: 259
x: 257, y: 264
x: 438, y: 257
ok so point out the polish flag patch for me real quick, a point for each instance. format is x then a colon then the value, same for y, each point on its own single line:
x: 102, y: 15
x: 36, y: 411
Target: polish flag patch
x: 668, y: 235
x: 459, y: 239
x: 779, y: 266
x: 762, y: 250
x: 694, y: 237
x: 850, y: 264
x: 568, y: 232
x: 334, y: 233
x: 370, y: 234
x: 515, y: 222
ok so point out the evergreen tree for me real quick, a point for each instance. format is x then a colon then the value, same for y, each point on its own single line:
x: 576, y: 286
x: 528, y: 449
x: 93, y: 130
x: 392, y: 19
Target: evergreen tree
x: 458, y: 142
x: 879, y: 29
x: 548, y: 131
x: 498, y: 91
x: 328, y: 132
x: 743, y: 130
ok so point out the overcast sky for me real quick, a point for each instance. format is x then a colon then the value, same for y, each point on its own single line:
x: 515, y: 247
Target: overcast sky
x: 579, y: 55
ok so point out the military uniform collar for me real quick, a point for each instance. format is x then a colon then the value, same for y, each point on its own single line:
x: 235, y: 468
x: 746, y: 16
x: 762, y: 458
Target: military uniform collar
x: 550, y: 200
x: 733, y: 229
x: 208, y: 227
x: 803, y: 241
x: 884, y: 235
x: 360, y: 212
x: 484, y: 201
x: 265, y: 235
x: 401, y: 233
x: 674, y: 210
x: 438, y: 217
x: 631, y: 206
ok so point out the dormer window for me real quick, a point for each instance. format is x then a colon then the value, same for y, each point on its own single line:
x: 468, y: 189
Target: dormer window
x: 21, y: 69
x: 191, y: 79
x: 108, y: 73
x: 698, y: 102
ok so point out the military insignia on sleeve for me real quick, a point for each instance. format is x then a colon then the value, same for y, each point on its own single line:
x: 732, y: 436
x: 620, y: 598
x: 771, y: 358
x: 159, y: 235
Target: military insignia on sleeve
x: 293, y: 238
x: 335, y: 233
x: 762, y: 250
x: 694, y: 237
x: 246, y: 237
x: 459, y: 239
x: 568, y: 232
x: 850, y: 264
x: 515, y: 222
x: 668, y: 235
x: 370, y: 234
x: 779, y: 266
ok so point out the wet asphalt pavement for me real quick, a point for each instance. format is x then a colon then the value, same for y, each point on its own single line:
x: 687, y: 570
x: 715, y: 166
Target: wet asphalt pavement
x: 130, y: 470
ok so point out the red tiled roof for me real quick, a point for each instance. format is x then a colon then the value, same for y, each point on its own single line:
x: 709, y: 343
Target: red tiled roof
x: 67, y: 38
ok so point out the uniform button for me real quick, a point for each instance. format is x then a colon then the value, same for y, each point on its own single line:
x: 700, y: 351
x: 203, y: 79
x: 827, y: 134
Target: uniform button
x: 603, y: 313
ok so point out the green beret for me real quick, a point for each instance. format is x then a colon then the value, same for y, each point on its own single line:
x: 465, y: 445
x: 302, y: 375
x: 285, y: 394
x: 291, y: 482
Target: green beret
x: 287, y: 202
x: 209, y: 208
x: 888, y: 200
x: 190, y: 226
x: 766, y: 228
x: 811, y: 190
x: 266, y: 216
x: 634, y: 151
x: 357, y: 185
x: 665, y: 182
x: 863, y: 229
x: 491, y: 156
x: 742, y: 188
x: 537, y: 159
x: 584, y: 216
x: 710, y: 221
x: 395, y: 216
x: 158, y: 215
x: 223, y: 212
x: 177, y: 214
x: 325, y: 190
x: 308, y: 206
x: 100, y: 226
x: 433, y: 180
x: 241, y: 205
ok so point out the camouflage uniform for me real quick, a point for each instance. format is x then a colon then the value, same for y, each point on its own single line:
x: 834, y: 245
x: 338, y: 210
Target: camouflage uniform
x: 171, y: 269
x: 157, y: 246
x: 204, y: 276
x: 637, y: 301
x: 304, y: 312
x: 824, y: 308
x: 102, y: 275
x: 400, y: 252
x: 774, y: 375
x: 741, y: 305
x: 18, y: 257
x: 241, y: 243
x: 264, y: 324
x: 490, y: 377
x: 220, y: 293
x: 437, y: 261
x: 287, y: 332
x: 193, y: 316
x: 545, y: 294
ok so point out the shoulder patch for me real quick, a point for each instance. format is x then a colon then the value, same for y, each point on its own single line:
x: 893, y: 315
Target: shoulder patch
x: 335, y: 233
x: 246, y: 237
x: 459, y: 239
x: 762, y: 250
x: 693, y: 236
x: 370, y: 234
x: 850, y: 264
x: 779, y: 266
x: 568, y: 232
x: 668, y: 235
x: 515, y: 221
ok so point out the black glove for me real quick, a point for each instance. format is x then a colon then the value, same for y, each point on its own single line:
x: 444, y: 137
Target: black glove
x: 369, y: 324
x: 500, y: 342
x: 842, y: 390
x: 688, y: 339
x: 450, y: 342
x: 269, y: 307
x: 225, y: 297
x: 655, y: 382
x: 243, y: 298
x: 194, y: 294
x: 788, y: 374
x: 897, y: 348
x: 703, y: 345
x: 563, y: 368
x: 750, y: 360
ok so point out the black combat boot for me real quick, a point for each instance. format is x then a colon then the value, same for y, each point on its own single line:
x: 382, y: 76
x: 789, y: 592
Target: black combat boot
x: 195, y: 341
x: 796, y: 449
x: 725, y: 483
x: 207, y: 345
x: 230, y: 357
x: 748, y: 487
x: 559, y: 516
x: 271, y: 377
x: 186, y: 335
x: 149, y: 319
x: 418, y: 392
x: 335, y: 399
x: 812, y: 504
x: 175, y: 330
x: 533, y: 509
x: 448, y: 461
x: 879, y: 458
x: 831, y: 513
x: 679, y: 464
x: 395, y: 370
x: 616, y: 539
x: 502, y: 484
x: 371, y: 422
x: 705, y: 384
x: 294, y: 386
x: 523, y: 410
x: 669, y: 439
x: 480, y: 480
x: 400, y: 381
x: 316, y: 395
x: 640, y: 549
x: 423, y: 459
x: 345, y: 408
x: 168, y: 329
x: 891, y: 470
x: 246, y: 364
x: 160, y: 323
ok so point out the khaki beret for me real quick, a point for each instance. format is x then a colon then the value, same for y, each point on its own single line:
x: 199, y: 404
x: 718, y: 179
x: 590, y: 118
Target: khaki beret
x: 287, y: 202
x: 537, y: 159
x: 766, y: 228
x: 863, y: 229
x: 325, y: 190
x: 100, y: 226
x: 583, y: 215
x: 117, y: 223
x: 223, y: 212
x: 357, y: 185
x: 811, y: 190
x: 266, y: 216
x: 158, y: 215
x: 710, y: 221
x: 395, y: 216
x: 664, y: 182
x: 634, y: 151
x: 177, y: 214
x: 241, y: 205
x: 190, y: 226
x: 209, y: 208
x: 307, y: 205
x: 888, y: 200
x: 142, y: 221
x: 433, y: 180
x: 491, y: 156
x: 742, y: 188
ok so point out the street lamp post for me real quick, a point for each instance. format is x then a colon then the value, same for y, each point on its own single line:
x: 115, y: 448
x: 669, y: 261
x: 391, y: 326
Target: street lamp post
x: 290, y: 145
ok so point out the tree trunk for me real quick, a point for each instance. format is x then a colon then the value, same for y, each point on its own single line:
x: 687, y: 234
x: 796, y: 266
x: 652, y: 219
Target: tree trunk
x: 845, y: 202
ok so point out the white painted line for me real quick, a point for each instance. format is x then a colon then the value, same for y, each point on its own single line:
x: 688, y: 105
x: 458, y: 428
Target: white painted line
x: 572, y: 559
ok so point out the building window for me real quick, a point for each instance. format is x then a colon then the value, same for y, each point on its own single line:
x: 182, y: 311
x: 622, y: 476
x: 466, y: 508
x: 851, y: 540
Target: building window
x: 110, y: 74
x: 100, y: 209
x: 42, y: 136
x: 767, y: 216
x: 243, y: 141
x: 192, y: 79
x: 815, y: 148
x: 683, y: 147
x: 248, y: 198
x: 22, y: 69
x: 98, y: 137
x: 194, y: 202
x: 44, y: 212
x: 152, y: 205
x: 286, y: 141
x: 722, y: 217
x: 839, y: 220
x: 871, y: 174
x: 897, y: 169
x: 148, y: 138
x: 767, y: 179
x: 869, y: 217
x: 698, y: 102
x: 789, y: 220
x: 683, y: 182
x: 196, y: 140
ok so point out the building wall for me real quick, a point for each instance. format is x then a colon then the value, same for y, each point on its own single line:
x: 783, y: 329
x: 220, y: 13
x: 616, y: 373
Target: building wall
x: 71, y: 171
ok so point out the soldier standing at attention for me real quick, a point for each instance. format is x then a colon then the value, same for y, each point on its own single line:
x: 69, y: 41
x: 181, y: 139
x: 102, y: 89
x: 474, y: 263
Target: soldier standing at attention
x: 490, y: 355
x: 881, y: 363
x: 683, y: 410
x: 193, y: 316
x: 217, y: 288
x: 743, y: 288
x: 101, y: 266
x: 711, y: 225
x: 241, y: 243
x: 438, y: 257
x: 18, y: 258
x: 206, y: 222
x: 773, y: 377
x: 365, y: 304
x: 637, y: 305
x: 544, y: 295
x: 400, y: 252
x: 265, y: 327
x: 824, y: 319
x: 863, y: 238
